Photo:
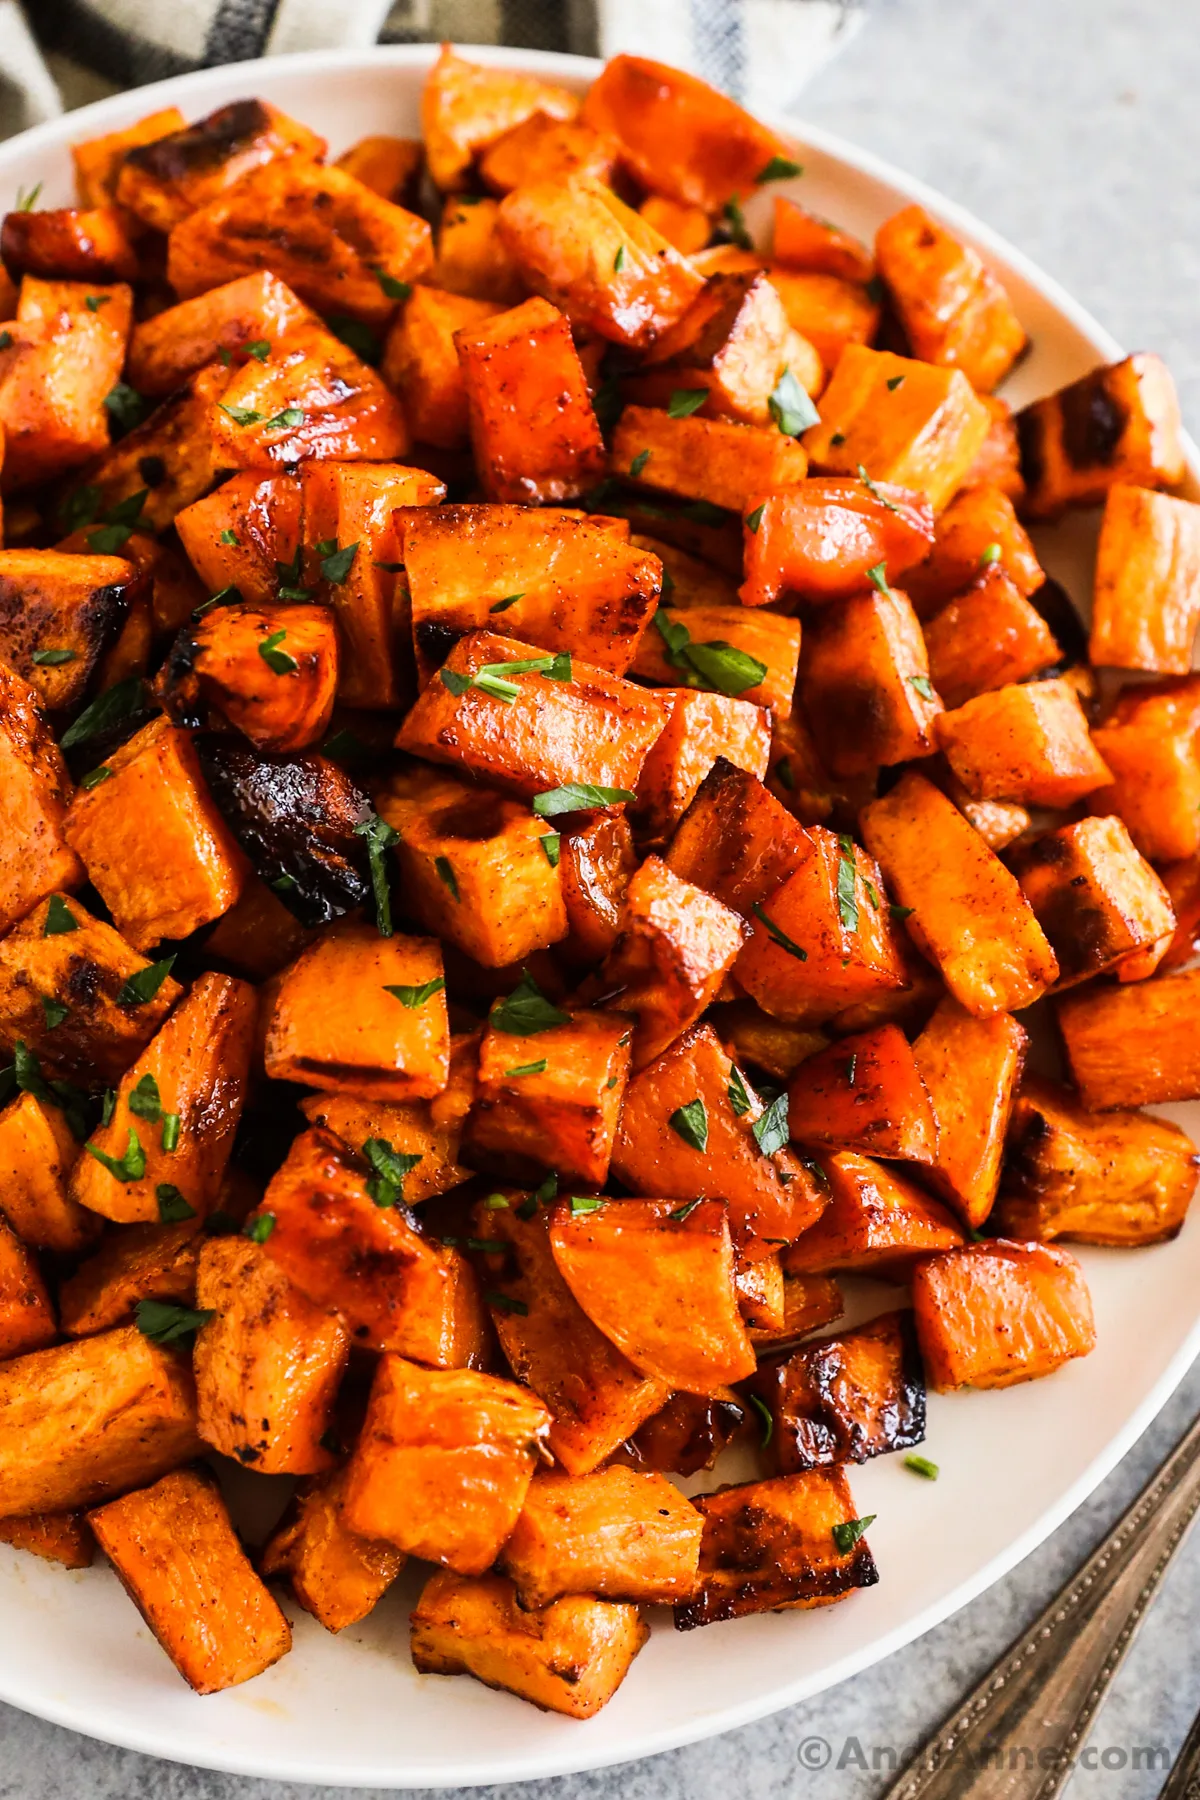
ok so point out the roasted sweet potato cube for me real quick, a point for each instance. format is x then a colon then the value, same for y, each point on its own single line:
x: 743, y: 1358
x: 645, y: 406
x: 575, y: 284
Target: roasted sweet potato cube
x: 169, y: 1133
x: 565, y: 237
x: 734, y: 341
x: 700, y: 727
x: 821, y: 537
x: 63, y: 1538
x: 846, y: 1398
x: 141, y: 1262
x: 970, y: 1068
x: 253, y: 310
x: 550, y: 1099
x: 978, y: 531
x: 596, y: 864
x: 544, y: 148
x: 473, y: 259
x: 156, y: 796
x: 1119, y: 1178
x: 875, y: 1220
x: 658, y: 1284
x: 687, y: 1434
x: 37, y: 1149
x: 820, y: 942
x: 26, y: 1315
x: 676, y: 946
x: 465, y: 107
x: 270, y: 670
x: 968, y: 912
x: 804, y: 240
x: 169, y: 457
x: 556, y: 580
x: 421, y: 362
x: 81, y: 1421
x: 809, y: 1302
x: 60, y: 360
x: 864, y: 1093
x: 178, y: 1557
x: 97, y: 161
x: 827, y: 312
x: 725, y: 647
x: 1100, y: 904
x: 735, y: 840
x: 395, y: 1288
x: 1146, y: 597
x: 335, y: 1574
x: 998, y: 463
x: 718, y: 461
x: 1134, y: 1045
x: 568, y: 723
x: 759, y: 1290
x: 68, y: 244
x: 569, y: 1657
x: 389, y: 166
x: 596, y: 1397
x: 688, y: 580
x: 1150, y: 743
x: 1182, y: 882
x: 923, y: 432
x: 953, y: 310
x: 243, y: 534
x: 443, y: 1462
x: 693, y: 1093
x: 533, y: 431
x: 992, y: 1314
x: 753, y: 1036
x: 769, y: 1546
x: 1120, y: 423
x: 475, y: 867
x: 1027, y: 742
x: 165, y: 179
x: 989, y: 637
x: 618, y: 1533
x: 864, y: 683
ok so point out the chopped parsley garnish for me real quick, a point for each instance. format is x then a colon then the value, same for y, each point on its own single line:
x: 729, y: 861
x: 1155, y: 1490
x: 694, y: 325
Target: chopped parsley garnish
x: 847, y: 894
x: 791, y: 408
x: 526, y: 1011
x: 173, y: 1209
x: 259, y: 1229
x: 780, y: 168
x: 59, y: 918
x: 683, y: 402
x: 771, y: 1127
x: 739, y: 1096
x: 389, y: 1168
x: 380, y: 836
x: 768, y: 1420
x: 130, y: 1167
x: 639, y: 462
x: 336, y: 564
x: 754, y: 520
x: 780, y: 937
x: 143, y: 985
x: 277, y: 660
x: 413, y: 997
x: 846, y: 1535
x: 552, y: 847
x: 533, y: 1068
x: 575, y: 796
x: 112, y: 707
x: 690, y: 1123
x: 165, y: 1323
x: 921, y: 1465
x: 446, y: 874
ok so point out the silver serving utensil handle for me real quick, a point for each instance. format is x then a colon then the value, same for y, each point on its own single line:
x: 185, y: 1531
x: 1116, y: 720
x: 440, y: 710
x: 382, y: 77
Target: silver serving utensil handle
x: 1017, y: 1735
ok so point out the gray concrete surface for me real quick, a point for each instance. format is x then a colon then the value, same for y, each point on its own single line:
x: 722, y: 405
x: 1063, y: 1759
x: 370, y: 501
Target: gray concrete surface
x: 1073, y: 127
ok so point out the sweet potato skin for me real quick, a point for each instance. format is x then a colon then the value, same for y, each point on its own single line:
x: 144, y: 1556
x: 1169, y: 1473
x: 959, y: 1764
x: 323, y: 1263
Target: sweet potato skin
x: 334, y: 1574
x: 847, y: 1398
x: 970, y: 1067
x: 225, y: 661
x: 1133, y: 1045
x: 616, y: 1533
x: 997, y: 1313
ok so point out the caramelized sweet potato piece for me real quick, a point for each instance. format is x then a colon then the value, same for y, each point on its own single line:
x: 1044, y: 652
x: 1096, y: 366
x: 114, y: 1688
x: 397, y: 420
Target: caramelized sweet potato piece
x: 395, y: 1288
x: 970, y: 1068
x: 169, y: 457
x: 735, y: 840
x: 658, y: 1284
x: 1026, y: 742
x: 923, y: 432
x: 772, y: 1194
x: 1146, y: 597
x: 998, y: 463
x: 533, y: 431
x: 270, y: 670
x: 37, y: 1149
x: 827, y: 313
x: 695, y: 644
x: 685, y: 1435
x: 570, y: 1657
x: 67, y: 244
x: 473, y: 259
x: 700, y: 727
x: 57, y: 613
x: 60, y: 360
x: 268, y: 1363
x: 803, y: 240
x: 26, y: 1315
x: 769, y: 1546
x: 716, y: 460
x: 864, y: 684
x: 81, y: 1421
x: 820, y: 538
x: 952, y: 308
x: 389, y: 166
x: 864, y: 1093
x: 140, y: 1262
x: 978, y: 530
x: 421, y: 362
x: 465, y: 107
x: 596, y: 863
x: 618, y: 1533
x: 847, y: 1398
x: 544, y: 148
x: 989, y: 637
x: 876, y: 1220
x: 1182, y: 882
x: 1100, y: 904
x: 335, y: 1574
x: 429, y: 1129
x: 558, y: 581
x: 164, y: 179
x: 1120, y: 423
x: 1119, y: 1178
x: 64, y: 1538
x: 753, y: 1036
x: 1150, y: 743
x: 1134, y: 1045
x: 97, y: 161
x: 992, y: 1314
x: 253, y: 310
x: 177, y: 1555
x: 443, y: 1462
x: 152, y: 841
x: 169, y: 1133
x: 688, y: 580
x: 550, y: 1099
x: 568, y: 722
x: 735, y: 343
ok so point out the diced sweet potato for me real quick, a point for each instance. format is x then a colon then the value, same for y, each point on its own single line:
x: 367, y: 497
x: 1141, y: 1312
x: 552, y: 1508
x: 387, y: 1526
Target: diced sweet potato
x: 443, y: 1462
x: 244, y: 533
x: 987, y: 638
x: 533, y: 431
x: 256, y: 310
x: 170, y: 1130
x: 700, y: 727
x: 565, y: 236
x: 152, y: 841
x: 992, y: 1314
x: 864, y: 683
x: 952, y: 308
x: 657, y: 1279
x: 389, y: 166
x: 558, y: 581
x: 1119, y: 1178
x: 846, y: 1398
x: 82, y: 970
x: 1134, y: 1045
x: 804, y: 240
x: 270, y: 670
x: 998, y: 463
x: 618, y: 1533
x: 64, y: 1538
x: 772, y: 1195
x: 61, y: 359
x: 821, y: 537
x: 570, y: 1657
x: 429, y: 1129
x: 421, y: 362
x: 475, y: 867
x: 735, y: 343
x: 1100, y: 904
x: 735, y: 840
x: 753, y: 1036
x: 574, y: 725
x: 875, y: 1221
x: 716, y: 460
x: 759, y: 1290
x: 596, y: 862
x: 465, y: 107
x: 335, y: 1574
x: 1146, y: 597
x: 1027, y: 742
x: 543, y: 148
x: 387, y: 1045
x: 81, y: 1421
x: 686, y: 228
x: 688, y: 580
x: 968, y: 912
x: 865, y: 1093
x: 1120, y: 423
x: 1150, y: 743
x: 1182, y: 882
x: 164, y: 179
x: 141, y: 1262
x: 26, y: 1315
x: 970, y: 1068
x: 922, y: 430
x: 550, y: 1099
x: 978, y: 530
x: 695, y: 644
x: 169, y: 457
x: 268, y: 1363
x: 685, y: 1435
x: 37, y: 1149
x: 98, y: 160
x: 827, y: 312
x: 395, y: 1288
x: 769, y: 1546
x: 473, y: 259
x: 177, y: 1555
x: 67, y: 244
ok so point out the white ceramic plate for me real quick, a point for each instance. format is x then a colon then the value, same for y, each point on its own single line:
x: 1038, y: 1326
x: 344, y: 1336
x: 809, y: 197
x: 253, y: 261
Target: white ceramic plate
x: 351, y: 1710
